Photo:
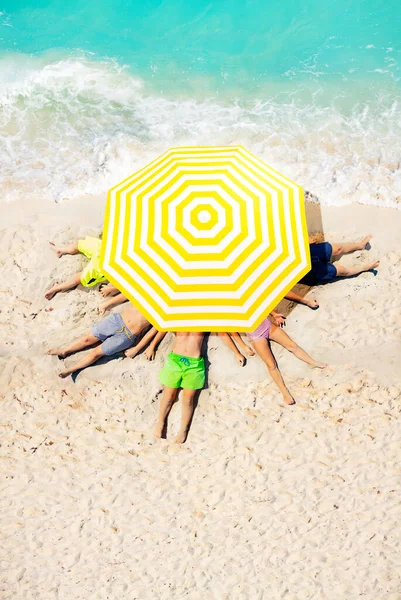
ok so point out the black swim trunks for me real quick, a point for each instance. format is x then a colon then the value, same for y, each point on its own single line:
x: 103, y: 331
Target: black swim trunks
x: 322, y: 269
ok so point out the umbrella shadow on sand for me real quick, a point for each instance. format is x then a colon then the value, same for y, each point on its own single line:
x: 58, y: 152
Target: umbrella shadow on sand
x: 314, y: 221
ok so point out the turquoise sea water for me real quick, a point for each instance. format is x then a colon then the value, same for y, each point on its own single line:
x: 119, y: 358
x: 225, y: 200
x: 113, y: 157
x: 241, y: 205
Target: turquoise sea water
x: 91, y: 91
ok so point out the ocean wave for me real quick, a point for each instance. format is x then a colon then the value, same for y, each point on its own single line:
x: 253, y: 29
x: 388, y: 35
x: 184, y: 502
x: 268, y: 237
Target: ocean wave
x: 74, y: 125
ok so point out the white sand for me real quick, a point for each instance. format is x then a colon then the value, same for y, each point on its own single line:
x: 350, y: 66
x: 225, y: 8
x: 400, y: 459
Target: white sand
x: 262, y: 502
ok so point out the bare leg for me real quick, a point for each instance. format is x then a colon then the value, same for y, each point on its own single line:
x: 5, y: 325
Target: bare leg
x: 167, y: 401
x: 87, y: 360
x: 187, y: 409
x: 79, y: 344
x: 70, y: 284
x: 70, y: 249
x: 340, y: 249
x: 350, y: 271
x: 262, y: 348
x: 282, y: 338
x: 293, y: 297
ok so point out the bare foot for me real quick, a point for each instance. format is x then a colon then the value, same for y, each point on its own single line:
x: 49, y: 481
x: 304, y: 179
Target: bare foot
x: 64, y: 374
x: 313, y: 304
x: 51, y: 293
x: 288, y: 399
x: 55, y: 352
x: 248, y: 350
x: 372, y: 265
x: 102, y: 308
x: 318, y: 365
x: 158, y: 430
x: 365, y: 241
x: 182, y: 436
x: 240, y: 359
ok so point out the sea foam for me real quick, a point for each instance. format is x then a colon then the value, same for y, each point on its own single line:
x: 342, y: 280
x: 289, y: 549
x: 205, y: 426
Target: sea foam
x: 75, y: 125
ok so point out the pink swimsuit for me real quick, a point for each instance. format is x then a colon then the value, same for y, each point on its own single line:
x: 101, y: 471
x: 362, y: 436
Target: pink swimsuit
x: 262, y: 331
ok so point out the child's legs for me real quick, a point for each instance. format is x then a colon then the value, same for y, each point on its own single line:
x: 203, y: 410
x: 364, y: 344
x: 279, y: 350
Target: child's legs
x: 87, y: 360
x: 63, y: 287
x: 351, y: 271
x: 280, y: 336
x: 262, y: 348
x: 187, y: 411
x: 167, y: 401
x: 339, y: 249
x: 81, y: 343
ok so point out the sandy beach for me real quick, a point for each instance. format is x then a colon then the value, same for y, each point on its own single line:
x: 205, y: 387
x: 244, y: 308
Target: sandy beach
x: 264, y: 501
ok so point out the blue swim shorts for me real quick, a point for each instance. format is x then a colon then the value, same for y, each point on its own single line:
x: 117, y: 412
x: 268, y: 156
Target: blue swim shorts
x: 322, y: 269
x: 115, y: 336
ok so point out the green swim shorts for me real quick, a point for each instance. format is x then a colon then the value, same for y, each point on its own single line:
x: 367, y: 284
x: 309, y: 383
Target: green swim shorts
x: 183, y: 372
x: 91, y: 275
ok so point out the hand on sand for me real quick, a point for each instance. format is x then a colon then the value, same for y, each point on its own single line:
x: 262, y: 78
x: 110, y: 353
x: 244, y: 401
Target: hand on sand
x: 150, y: 353
x: 131, y: 353
x: 279, y: 319
x: 58, y: 251
x: 51, y: 293
x: 106, y: 290
x: 240, y: 359
x: 248, y: 350
x: 103, y: 307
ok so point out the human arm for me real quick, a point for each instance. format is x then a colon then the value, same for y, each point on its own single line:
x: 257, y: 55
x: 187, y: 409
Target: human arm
x: 151, y: 350
x: 240, y: 342
x: 109, y: 289
x: 227, y: 339
x: 114, y: 301
x: 152, y: 333
x: 278, y: 318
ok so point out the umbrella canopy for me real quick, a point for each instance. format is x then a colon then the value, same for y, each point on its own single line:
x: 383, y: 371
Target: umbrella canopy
x: 205, y: 239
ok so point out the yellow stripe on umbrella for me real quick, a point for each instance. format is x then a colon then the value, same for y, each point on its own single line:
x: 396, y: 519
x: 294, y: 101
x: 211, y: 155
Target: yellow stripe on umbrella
x: 205, y: 239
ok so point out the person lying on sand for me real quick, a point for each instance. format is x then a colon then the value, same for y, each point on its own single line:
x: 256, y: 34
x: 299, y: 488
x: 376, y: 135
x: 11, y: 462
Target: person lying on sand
x: 233, y: 340
x: 90, y: 276
x: 153, y: 337
x: 260, y: 340
x: 184, y: 368
x: 322, y: 256
x: 115, y: 297
x: 115, y: 333
x: 293, y: 297
x: 112, y: 301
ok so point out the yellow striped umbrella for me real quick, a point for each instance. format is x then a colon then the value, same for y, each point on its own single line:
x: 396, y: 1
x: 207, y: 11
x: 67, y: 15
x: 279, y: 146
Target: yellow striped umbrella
x: 205, y: 239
